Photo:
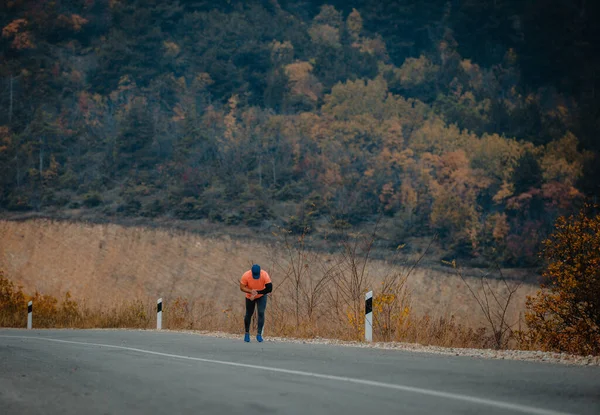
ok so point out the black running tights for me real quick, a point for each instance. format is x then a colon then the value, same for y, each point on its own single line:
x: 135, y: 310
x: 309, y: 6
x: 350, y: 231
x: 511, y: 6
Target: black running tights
x: 250, y: 304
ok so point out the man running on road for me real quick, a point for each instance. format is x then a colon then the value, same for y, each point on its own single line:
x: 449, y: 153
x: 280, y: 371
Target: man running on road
x: 256, y: 283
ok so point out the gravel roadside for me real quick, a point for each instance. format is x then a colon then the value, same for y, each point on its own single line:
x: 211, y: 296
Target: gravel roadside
x: 523, y: 355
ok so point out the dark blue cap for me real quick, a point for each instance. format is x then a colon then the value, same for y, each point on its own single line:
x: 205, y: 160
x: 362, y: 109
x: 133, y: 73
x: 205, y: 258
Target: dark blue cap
x: 256, y: 271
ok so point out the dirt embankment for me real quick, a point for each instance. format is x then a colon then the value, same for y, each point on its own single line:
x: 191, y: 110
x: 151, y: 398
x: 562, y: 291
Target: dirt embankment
x: 108, y: 262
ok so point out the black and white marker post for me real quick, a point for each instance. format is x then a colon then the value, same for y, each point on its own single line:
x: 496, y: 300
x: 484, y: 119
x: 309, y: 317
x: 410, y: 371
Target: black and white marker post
x: 29, y: 315
x: 159, y: 314
x: 369, y: 317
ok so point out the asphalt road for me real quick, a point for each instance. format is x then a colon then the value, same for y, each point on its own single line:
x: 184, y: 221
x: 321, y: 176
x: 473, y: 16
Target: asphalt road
x: 129, y: 372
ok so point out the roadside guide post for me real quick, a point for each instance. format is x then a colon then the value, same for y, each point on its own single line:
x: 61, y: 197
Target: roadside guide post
x: 159, y: 314
x: 29, y: 315
x: 369, y: 317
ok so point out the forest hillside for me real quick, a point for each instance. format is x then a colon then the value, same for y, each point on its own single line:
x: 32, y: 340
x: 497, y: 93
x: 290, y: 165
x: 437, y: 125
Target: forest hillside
x: 475, y: 121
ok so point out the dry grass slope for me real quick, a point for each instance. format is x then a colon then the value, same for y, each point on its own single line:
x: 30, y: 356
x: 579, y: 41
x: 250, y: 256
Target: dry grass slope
x: 113, y: 276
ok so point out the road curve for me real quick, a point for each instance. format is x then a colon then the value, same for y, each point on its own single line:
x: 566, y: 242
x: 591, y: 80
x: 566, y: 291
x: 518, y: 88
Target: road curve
x: 117, y: 372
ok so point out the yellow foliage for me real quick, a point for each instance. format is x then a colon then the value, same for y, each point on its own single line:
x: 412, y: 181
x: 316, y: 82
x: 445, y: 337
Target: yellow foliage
x: 496, y: 155
x: 510, y: 57
x: 282, y: 53
x: 230, y: 121
x: 78, y: 22
x: 301, y: 80
x: 506, y: 191
x: 357, y: 98
x: 51, y: 173
x: 354, y: 23
x: 500, y: 227
x: 356, y: 322
x: 373, y: 46
x: 416, y: 71
x: 76, y: 76
x: 329, y: 16
x: 436, y: 137
x: 45, y: 310
x: 562, y: 161
x: 455, y: 191
x: 178, y: 314
x: 13, y: 305
x: 202, y: 81
x: 565, y: 314
x: 325, y: 35
x: 391, y: 309
x: 172, y: 49
x: 474, y: 72
x: 179, y: 113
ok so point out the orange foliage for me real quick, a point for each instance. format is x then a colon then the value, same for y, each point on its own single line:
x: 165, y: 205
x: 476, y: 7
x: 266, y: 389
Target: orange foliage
x: 74, y: 21
x: 22, y: 39
x: 5, y: 138
x: 560, y: 195
x: 565, y: 314
x: 500, y: 228
x: 302, y: 82
x: 13, y: 28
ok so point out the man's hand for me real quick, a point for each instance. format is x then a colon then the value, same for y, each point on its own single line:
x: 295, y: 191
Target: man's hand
x: 253, y: 294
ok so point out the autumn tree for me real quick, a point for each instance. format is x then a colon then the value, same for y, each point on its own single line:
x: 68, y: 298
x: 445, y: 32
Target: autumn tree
x: 17, y: 32
x: 565, y: 314
x: 212, y: 109
x: 417, y: 77
x: 454, y: 213
x: 134, y: 142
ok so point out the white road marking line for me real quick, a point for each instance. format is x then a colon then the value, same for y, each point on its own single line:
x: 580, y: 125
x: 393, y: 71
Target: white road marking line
x: 454, y: 396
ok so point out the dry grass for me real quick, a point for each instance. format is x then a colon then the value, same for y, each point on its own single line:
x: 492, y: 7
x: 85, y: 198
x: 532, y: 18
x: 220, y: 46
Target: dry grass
x: 179, y: 313
x: 116, y: 274
x: 393, y: 318
x: 66, y: 312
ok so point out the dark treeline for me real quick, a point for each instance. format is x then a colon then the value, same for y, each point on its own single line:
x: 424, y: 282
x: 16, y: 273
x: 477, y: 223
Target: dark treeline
x: 473, y: 120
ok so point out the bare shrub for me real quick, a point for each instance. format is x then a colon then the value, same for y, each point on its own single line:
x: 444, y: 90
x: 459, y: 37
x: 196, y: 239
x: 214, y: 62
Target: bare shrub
x: 494, y: 303
x: 13, y: 304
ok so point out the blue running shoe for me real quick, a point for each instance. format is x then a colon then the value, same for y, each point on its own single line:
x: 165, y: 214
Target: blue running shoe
x: 259, y: 338
x: 247, y: 337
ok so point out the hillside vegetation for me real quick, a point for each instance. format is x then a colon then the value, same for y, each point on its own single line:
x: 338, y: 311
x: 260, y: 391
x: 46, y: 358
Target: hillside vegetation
x: 475, y: 121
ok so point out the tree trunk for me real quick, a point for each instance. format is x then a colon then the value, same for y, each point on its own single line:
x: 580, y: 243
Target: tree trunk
x: 10, y: 104
x: 18, y: 170
x: 41, y: 157
x: 260, y: 171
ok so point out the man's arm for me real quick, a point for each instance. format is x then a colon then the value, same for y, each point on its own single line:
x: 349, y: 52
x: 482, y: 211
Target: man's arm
x: 268, y: 288
x: 245, y: 288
